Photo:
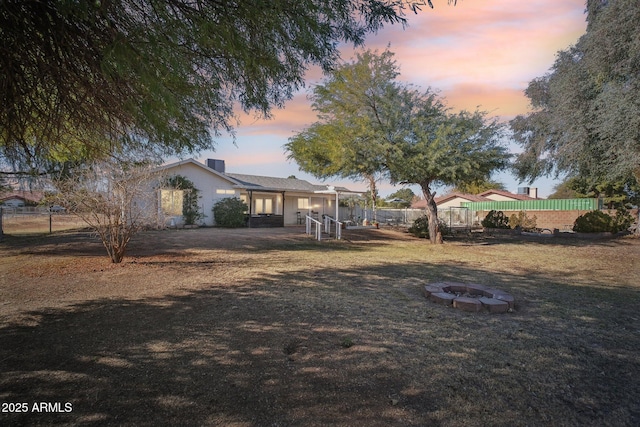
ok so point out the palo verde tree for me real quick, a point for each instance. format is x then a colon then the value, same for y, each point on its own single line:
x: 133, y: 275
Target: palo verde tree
x: 433, y: 147
x: 114, y: 198
x: 371, y: 123
x: 346, y: 141
x: 585, y: 118
x: 80, y: 79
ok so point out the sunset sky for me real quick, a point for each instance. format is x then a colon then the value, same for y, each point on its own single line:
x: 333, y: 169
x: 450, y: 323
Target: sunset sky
x: 480, y: 53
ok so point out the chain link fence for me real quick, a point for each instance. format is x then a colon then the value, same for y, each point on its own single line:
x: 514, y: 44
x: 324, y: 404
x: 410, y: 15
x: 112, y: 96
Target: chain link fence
x: 37, y: 220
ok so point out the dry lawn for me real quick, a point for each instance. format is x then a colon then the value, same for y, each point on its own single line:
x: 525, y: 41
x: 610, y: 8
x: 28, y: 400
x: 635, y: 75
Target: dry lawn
x: 270, y: 328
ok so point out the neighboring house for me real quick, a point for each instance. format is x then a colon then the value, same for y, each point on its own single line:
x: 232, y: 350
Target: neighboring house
x: 16, y: 199
x: 272, y: 202
x: 505, y: 196
x: 456, y: 200
x: 453, y: 209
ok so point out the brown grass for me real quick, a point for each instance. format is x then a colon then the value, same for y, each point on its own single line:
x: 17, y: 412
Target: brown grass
x: 271, y: 328
x: 39, y: 223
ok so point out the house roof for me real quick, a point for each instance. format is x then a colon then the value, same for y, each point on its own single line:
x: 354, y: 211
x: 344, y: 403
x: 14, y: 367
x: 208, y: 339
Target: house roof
x: 27, y: 196
x: 200, y: 165
x: 505, y: 194
x: 482, y: 197
x: 269, y: 183
x: 257, y: 182
x: 421, y: 204
x: 469, y: 197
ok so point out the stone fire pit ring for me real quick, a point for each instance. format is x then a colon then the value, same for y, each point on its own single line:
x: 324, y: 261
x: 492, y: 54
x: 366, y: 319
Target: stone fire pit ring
x: 471, y: 297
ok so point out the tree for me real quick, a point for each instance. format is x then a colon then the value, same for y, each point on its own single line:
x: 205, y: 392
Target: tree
x: 585, y: 118
x: 615, y: 194
x: 81, y: 80
x: 401, y: 198
x: 115, y: 199
x: 372, y: 124
x: 346, y: 140
x: 436, y: 147
x: 563, y: 190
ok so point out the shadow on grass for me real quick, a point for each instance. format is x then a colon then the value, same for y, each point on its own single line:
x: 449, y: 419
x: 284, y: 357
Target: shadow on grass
x: 334, y: 347
x: 488, y: 239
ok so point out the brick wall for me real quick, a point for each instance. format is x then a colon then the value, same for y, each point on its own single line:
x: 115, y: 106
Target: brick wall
x: 562, y: 220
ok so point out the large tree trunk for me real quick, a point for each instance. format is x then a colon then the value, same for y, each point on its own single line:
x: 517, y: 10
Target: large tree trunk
x: 435, y: 236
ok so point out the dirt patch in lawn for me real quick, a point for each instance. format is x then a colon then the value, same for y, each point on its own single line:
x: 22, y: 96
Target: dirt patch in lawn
x: 271, y: 328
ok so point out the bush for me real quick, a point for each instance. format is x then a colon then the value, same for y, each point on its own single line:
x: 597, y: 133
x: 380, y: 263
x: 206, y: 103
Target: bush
x: 229, y: 212
x: 623, y: 220
x: 420, y: 227
x: 522, y: 221
x: 599, y: 222
x: 495, y: 219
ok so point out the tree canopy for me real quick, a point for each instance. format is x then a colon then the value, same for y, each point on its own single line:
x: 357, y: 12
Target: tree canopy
x: 346, y: 140
x: 585, y: 117
x: 615, y: 194
x: 85, y: 79
x: 401, y: 198
x: 370, y: 123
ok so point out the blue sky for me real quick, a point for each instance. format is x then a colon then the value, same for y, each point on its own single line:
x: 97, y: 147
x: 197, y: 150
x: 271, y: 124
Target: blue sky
x: 480, y: 53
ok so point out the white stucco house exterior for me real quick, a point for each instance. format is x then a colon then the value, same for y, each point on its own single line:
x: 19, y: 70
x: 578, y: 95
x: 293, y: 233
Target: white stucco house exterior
x: 272, y: 202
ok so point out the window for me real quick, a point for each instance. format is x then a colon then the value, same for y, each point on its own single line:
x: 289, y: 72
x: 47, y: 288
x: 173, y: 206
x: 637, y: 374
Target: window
x: 171, y: 202
x: 222, y: 191
x: 303, y: 203
x: 263, y: 206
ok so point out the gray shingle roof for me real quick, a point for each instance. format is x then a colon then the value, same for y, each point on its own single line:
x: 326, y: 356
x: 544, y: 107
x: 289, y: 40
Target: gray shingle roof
x: 255, y: 182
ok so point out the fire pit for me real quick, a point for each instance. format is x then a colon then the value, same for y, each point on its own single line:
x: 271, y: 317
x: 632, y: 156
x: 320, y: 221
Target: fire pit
x: 471, y: 297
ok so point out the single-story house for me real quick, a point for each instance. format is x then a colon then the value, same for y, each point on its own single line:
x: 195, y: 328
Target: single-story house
x: 453, y: 205
x: 506, y: 196
x: 15, y: 199
x: 272, y: 202
x: 455, y: 199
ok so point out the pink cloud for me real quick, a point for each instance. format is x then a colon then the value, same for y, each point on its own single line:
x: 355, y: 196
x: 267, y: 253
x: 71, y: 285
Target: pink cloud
x: 480, y: 53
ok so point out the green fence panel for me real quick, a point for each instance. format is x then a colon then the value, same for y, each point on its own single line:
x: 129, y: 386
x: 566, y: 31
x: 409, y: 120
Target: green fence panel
x: 537, y: 205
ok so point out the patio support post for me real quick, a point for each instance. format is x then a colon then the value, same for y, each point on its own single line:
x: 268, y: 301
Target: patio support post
x: 250, y: 207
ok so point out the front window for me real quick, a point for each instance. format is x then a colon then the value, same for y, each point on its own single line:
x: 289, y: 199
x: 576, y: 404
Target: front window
x: 263, y: 205
x: 171, y: 202
x: 303, y: 203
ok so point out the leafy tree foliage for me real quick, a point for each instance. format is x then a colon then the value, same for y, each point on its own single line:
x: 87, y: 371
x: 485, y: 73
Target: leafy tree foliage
x: 436, y: 147
x: 346, y: 140
x: 495, y: 219
x: 615, y: 193
x: 586, y: 109
x: 523, y: 221
x: 371, y: 124
x: 84, y: 79
x: 563, y: 190
x: 420, y: 227
x: 598, y: 222
x: 406, y: 195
